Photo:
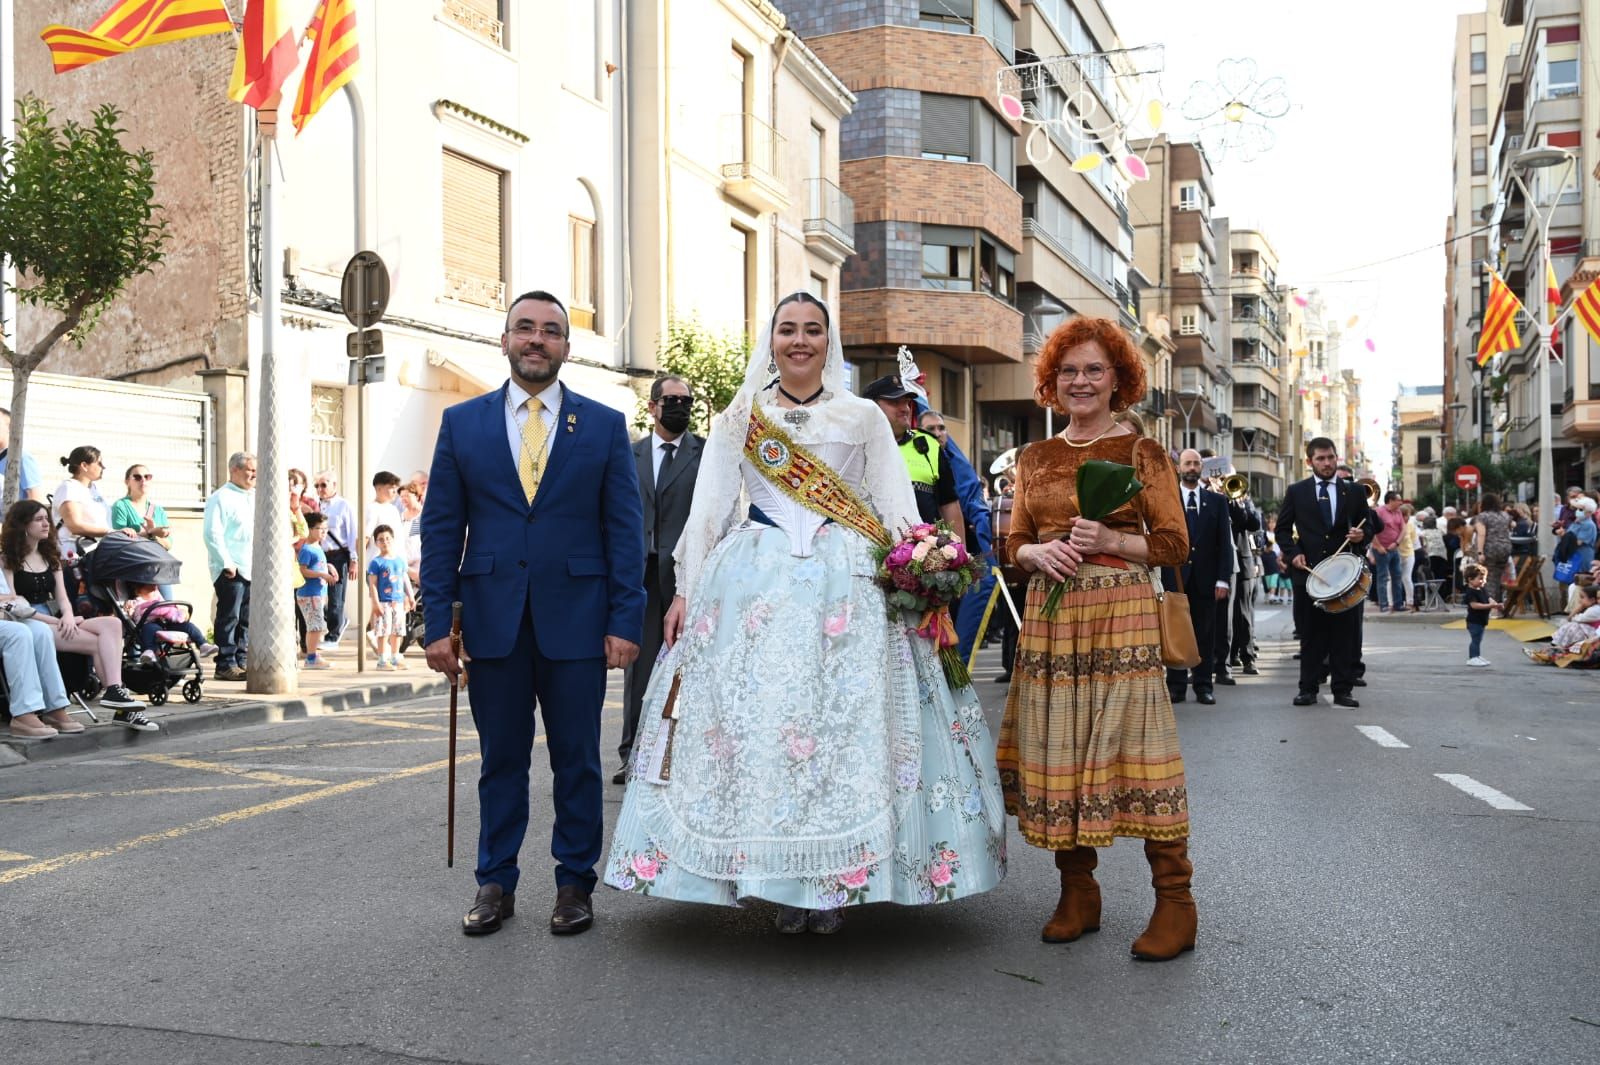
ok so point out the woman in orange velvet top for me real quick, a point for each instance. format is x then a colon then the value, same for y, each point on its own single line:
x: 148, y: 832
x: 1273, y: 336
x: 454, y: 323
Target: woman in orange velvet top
x: 1088, y: 747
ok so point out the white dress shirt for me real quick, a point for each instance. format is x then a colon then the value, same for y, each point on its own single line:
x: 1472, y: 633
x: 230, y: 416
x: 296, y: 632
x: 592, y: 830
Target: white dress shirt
x: 657, y: 454
x: 518, y: 401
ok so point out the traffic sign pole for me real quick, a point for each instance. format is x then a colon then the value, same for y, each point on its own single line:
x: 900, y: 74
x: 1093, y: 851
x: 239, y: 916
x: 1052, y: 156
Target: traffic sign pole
x: 364, y: 293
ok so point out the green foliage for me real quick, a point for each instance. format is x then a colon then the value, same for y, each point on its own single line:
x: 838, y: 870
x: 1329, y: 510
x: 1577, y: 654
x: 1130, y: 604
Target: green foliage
x: 77, y: 216
x: 711, y: 363
x: 1499, y: 476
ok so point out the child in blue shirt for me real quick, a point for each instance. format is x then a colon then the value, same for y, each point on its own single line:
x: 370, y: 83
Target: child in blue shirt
x: 391, y: 598
x: 312, y: 597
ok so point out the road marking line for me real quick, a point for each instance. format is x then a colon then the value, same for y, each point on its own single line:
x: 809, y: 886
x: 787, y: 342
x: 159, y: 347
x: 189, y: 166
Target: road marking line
x: 178, y: 762
x: 336, y: 743
x: 1498, y: 799
x: 51, y: 865
x: 192, y: 789
x: 13, y: 856
x: 386, y: 723
x: 1381, y: 736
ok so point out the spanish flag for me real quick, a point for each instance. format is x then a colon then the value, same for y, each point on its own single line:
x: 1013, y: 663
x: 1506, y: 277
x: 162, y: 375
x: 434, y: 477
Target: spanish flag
x: 1499, y: 321
x: 333, y: 59
x: 267, y: 55
x: 134, y: 24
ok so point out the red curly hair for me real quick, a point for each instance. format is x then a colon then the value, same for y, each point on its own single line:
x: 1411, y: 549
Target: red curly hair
x: 1120, y: 354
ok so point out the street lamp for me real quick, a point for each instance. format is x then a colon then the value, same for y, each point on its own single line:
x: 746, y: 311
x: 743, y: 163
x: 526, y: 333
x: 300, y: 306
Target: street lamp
x: 1187, y: 410
x: 1047, y: 309
x: 1541, y: 159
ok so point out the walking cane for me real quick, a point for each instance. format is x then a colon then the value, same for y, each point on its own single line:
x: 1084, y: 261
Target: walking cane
x: 456, y: 680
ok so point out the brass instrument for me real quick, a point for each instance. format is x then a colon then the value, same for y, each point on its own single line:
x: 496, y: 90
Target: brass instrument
x: 1373, y: 489
x: 1235, y: 486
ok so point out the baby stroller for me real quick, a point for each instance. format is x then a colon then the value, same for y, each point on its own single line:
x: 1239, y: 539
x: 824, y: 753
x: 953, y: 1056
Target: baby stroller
x: 110, y: 573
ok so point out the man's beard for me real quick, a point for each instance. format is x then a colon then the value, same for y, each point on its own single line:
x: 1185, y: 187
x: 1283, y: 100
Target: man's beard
x: 1189, y: 479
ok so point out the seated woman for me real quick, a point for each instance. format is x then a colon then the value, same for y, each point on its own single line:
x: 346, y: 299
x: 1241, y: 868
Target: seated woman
x: 31, y: 561
x: 27, y: 649
x: 81, y: 512
x: 1583, y: 624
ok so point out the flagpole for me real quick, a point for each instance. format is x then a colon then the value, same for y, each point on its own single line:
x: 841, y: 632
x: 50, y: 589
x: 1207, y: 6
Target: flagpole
x: 273, y: 639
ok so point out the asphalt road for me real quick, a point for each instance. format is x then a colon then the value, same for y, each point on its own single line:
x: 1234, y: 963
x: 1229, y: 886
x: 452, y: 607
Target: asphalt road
x: 278, y: 894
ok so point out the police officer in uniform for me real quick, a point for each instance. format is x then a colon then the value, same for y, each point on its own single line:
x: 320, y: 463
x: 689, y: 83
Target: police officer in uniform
x: 932, y: 479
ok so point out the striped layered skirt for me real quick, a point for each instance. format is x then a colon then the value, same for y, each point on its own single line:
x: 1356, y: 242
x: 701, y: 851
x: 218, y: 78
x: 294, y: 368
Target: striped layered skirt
x: 1088, y: 747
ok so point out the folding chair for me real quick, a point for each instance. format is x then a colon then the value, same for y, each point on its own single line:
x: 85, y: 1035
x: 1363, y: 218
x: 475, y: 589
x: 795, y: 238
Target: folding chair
x: 1528, y: 591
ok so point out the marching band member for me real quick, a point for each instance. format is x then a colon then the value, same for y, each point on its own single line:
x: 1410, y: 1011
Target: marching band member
x: 1320, y: 517
x: 1207, y: 577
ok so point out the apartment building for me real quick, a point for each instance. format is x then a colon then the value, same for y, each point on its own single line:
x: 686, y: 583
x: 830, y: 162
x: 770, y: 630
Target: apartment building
x: 1485, y: 68
x: 1176, y: 253
x: 1416, y: 425
x: 1257, y: 351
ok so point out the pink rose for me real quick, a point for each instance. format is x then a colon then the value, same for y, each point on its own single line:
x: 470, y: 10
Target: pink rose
x: 961, y: 556
x: 645, y: 867
x: 949, y: 552
x: 940, y: 875
x: 949, y: 855
x: 921, y: 532
x: 900, y: 555
x: 920, y: 552
x: 855, y: 878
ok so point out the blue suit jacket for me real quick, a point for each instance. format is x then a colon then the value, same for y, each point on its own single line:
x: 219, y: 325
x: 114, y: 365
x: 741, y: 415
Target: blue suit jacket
x: 573, y: 560
x: 1211, y: 552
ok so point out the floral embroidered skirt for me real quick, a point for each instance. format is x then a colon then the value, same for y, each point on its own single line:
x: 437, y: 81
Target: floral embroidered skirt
x: 819, y: 759
x: 1088, y: 745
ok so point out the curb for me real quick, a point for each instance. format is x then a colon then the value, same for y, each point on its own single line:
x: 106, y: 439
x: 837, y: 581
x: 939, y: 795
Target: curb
x: 233, y: 715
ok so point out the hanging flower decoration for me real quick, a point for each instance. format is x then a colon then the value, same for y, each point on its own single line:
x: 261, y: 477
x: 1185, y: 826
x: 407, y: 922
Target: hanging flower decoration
x: 1065, y: 95
x: 1233, y: 111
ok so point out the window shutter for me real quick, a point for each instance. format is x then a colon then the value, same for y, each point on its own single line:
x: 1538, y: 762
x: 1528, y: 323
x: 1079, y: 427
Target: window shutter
x: 958, y: 8
x: 1569, y: 138
x: 947, y: 124
x: 473, y: 237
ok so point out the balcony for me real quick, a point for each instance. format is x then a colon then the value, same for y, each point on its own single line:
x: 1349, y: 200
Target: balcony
x: 1193, y: 227
x: 472, y: 18
x: 479, y: 291
x: 752, y: 176
x: 1190, y: 287
x: 973, y: 327
x: 1580, y: 420
x: 830, y: 222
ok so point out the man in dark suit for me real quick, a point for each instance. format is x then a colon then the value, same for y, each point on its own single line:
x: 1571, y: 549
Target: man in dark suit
x: 1322, y: 515
x: 533, y: 525
x: 668, y: 461
x: 1207, y: 576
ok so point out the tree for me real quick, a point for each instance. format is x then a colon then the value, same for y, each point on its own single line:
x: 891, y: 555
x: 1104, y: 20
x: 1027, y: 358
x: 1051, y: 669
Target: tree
x: 711, y: 364
x: 78, y: 221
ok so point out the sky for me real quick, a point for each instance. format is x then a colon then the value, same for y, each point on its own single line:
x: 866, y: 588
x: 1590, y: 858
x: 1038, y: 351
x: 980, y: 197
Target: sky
x: 1360, y: 170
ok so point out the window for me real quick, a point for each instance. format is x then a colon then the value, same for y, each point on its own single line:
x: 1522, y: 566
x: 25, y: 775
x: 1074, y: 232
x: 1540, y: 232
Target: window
x: 1188, y: 321
x: 581, y: 305
x: 818, y: 287
x: 819, y: 145
x: 474, y: 231
x: 742, y: 245
x: 1561, y: 77
x: 947, y: 266
x: 953, y: 394
x: 1480, y: 105
x: 951, y: 16
x: 485, y: 18
x: 1480, y: 199
x: 996, y: 271
x: 1480, y: 249
x: 1189, y: 196
x: 1424, y: 450
x: 1480, y: 155
x: 1479, y: 43
x: 946, y: 127
x: 583, y: 49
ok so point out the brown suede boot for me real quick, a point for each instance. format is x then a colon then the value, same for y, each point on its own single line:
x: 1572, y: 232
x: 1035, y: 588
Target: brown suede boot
x: 1079, y: 909
x: 1172, y: 926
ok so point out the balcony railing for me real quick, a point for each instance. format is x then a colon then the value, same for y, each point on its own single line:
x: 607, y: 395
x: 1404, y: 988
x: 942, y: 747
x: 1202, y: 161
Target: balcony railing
x: 753, y: 149
x: 830, y: 222
x: 472, y: 18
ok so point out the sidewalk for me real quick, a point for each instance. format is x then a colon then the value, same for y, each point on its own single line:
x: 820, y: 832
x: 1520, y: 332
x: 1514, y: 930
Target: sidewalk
x: 226, y: 704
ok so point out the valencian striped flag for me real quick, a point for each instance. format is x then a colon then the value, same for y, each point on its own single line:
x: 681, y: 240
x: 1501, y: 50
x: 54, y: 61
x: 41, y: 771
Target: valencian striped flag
x: 333, y: 58
x: 1587, y: 309
x: 267, y: 54
x: 1499, y: 321
x: 134, y: 24
x: 1552, y: 299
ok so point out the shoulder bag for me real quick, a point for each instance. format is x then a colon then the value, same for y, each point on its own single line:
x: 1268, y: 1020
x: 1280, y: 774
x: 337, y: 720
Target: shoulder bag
x: 1179, y: 649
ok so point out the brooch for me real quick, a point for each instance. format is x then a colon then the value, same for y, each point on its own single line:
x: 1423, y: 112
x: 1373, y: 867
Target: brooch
x: 772, y: 453
x: 797, y: 416
x: 572, y: 422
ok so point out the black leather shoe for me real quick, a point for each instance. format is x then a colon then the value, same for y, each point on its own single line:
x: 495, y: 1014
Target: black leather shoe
x: 491, y: 906
x: 1346, y: 700
x: 1358, y: 682
x: 1249, y: 669
x: 573, y: 912
x: 1004, y: 678
x: 1305, y: 698
x: 1223, y: 678
x: 1177, y: 697
x: 1297, y: 656
x: 620, y: 776
x: 1205, y: 698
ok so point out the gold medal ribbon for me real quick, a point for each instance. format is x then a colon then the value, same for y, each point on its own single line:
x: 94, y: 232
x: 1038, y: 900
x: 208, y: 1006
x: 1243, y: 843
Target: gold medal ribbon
x: 806, y: 479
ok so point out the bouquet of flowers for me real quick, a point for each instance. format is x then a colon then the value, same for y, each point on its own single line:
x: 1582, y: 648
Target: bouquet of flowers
x: 1102, y: 488
x: 925, y: 571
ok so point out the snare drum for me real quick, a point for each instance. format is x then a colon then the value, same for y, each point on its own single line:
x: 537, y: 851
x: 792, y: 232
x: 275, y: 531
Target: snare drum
x: 1339, y: 583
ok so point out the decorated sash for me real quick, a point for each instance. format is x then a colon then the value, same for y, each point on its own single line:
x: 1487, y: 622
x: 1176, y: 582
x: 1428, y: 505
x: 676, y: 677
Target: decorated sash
x: 806, y: 479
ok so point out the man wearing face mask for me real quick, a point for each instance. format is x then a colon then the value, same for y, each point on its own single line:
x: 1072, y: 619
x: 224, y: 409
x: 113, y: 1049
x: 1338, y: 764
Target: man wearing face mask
x: 668, y: 461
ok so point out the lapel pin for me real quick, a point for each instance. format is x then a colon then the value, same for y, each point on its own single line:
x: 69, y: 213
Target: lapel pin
x: 572, y: 422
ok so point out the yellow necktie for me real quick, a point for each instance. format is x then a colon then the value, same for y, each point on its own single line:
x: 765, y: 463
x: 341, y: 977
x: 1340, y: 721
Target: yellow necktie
x: 530, y: 464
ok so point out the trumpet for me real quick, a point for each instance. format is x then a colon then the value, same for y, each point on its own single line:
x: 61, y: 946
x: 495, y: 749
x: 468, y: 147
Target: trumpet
x: 1235, y: 486
x: 1373, y: 489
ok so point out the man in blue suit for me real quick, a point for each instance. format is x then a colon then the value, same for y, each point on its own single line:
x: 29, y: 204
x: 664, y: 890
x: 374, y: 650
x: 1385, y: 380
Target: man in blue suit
x: 533, y: 524
x: 1207, y: 576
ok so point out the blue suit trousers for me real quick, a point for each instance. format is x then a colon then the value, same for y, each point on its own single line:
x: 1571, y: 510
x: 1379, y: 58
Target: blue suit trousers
x: 570, y: 695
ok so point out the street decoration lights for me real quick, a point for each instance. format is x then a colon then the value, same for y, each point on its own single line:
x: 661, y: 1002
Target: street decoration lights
x: 1531, y: 160
x: 1232, y: 111
x: 1093, y: 101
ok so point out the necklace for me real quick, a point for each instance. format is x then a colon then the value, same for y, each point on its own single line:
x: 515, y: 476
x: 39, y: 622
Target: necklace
x: 797, y: 415
x: 1086, y: 443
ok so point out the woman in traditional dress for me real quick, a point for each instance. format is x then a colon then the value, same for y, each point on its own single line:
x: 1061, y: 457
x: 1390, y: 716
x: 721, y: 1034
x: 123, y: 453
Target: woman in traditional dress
x: 815, y: 756
x: 1088, y: 745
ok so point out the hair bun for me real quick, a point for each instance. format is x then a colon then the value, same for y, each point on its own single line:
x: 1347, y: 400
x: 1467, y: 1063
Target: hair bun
x: 66, y: 461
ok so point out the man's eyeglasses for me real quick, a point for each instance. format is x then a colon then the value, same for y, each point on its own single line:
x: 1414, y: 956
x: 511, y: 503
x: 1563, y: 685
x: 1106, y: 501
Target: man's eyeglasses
x: 320, y: 484
x: 526, y: 331
x: 144, y: 476
x: 675, y: 401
